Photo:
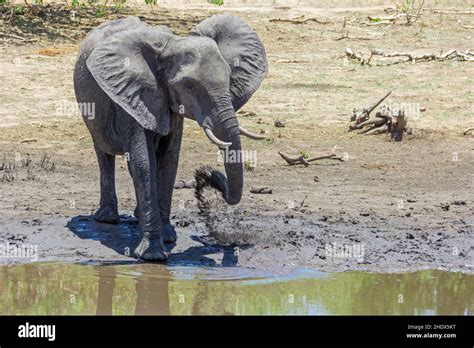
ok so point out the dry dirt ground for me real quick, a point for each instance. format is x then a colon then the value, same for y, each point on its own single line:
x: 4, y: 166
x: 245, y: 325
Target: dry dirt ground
x: 403, y: 206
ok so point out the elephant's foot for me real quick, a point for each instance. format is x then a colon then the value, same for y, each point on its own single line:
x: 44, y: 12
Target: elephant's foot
x: 107, y: 214
x: 151, y: 248
x: 169, y: 233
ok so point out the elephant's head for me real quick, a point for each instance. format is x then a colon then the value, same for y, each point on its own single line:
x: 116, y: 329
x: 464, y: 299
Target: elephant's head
x: 207, y: 76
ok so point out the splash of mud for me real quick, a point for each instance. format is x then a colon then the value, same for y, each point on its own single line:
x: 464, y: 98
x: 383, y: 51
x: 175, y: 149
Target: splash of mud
x: 222, y: 222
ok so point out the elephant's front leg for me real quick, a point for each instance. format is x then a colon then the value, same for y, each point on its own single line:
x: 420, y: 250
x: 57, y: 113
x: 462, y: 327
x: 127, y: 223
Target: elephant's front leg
x: 140, y: 148
x: 167, y: 156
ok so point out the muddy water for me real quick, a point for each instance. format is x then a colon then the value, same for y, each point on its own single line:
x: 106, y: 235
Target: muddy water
x: 183, y: 290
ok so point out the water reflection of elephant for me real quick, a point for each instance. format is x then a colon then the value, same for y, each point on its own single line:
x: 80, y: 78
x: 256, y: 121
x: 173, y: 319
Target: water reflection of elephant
x: 152, y: 292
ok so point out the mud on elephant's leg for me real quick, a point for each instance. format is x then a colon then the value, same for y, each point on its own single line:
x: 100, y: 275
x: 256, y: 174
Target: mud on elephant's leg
x: 107, y: 211
x: 167, y: 157
x: 139, y: 145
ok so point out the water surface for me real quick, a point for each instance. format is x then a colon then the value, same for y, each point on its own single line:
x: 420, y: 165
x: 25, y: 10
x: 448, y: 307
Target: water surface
x: 48, y: 288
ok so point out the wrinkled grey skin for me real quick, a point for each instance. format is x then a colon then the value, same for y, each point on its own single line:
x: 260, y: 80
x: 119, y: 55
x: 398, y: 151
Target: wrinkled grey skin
x: 142, y: 81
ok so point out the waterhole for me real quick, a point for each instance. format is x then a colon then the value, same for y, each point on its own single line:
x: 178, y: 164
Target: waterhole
x: 128, y: 289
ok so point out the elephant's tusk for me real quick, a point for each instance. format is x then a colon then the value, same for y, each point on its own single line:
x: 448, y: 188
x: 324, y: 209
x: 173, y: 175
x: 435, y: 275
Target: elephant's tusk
x: 215, y: 140
x: 251, y: 135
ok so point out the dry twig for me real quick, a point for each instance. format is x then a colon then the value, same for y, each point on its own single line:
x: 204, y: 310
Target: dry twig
x: 300, y: 159
x: 360, y: 38
x: 298, y: 20
x: 452, y: 12
x: 411, y: 57
x: 468, y: 130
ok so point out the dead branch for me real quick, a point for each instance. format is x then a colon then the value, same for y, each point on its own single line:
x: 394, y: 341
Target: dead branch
x: 353, y: 55
x: 28, y: 141
x: 300, y: 159
x: 376, y: 122
x: 375, y: 24
x: 389, y: 18
x: 298, y: 20
x: 360, y: 38
x: 468, y: 130
x: 261, y: 190
x: 386, y: 120
x: 360, y: 115
x: 452, y: 12
x: 411, y: 57
x: 376, y: 130
x: 17, y: 37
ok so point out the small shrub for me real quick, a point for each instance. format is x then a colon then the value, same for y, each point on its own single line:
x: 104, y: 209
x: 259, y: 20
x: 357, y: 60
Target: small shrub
x: 216, y: 2
x: 304, y: 153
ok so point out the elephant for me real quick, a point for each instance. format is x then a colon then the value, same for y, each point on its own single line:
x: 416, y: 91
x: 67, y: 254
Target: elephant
x: 141, y: 81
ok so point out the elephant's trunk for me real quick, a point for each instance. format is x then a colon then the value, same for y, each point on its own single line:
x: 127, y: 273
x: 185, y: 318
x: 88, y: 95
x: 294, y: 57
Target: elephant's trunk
x: 225, y: 127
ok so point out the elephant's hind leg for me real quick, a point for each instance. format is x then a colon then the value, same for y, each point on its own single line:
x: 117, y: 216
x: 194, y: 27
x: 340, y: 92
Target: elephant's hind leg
x: 107, y: 211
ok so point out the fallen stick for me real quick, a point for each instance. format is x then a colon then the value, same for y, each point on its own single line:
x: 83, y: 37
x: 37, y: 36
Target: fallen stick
x: 360, y: 38
x: 411, y: 57
x: 17, y: 37
x: 354, y: 55
x: 294, y: 160
x: 452, y: 12
x: 261, y: 190
x: 361, y: 115
x: 390, y: 18
x: 376, y: 130
x: 374, y: 24
x: 468, y: 130
x: 298, y: 20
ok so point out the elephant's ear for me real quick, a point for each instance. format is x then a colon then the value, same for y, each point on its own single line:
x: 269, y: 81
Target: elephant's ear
x: 125, y: 67
x: 243, y: 51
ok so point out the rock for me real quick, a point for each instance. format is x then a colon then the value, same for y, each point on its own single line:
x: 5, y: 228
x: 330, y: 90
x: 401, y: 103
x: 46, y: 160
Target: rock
x: 445, y: 207
x: 279, y: 123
